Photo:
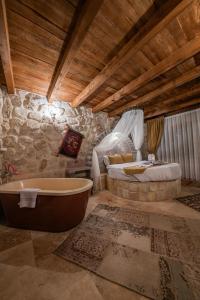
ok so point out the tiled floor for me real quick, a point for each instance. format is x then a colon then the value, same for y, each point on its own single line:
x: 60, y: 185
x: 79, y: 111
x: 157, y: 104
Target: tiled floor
x: 29, y: 270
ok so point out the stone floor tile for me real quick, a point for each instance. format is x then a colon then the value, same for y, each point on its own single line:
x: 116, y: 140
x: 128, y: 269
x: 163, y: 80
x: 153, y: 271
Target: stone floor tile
x: 19, y: 255
x: 11, y: 237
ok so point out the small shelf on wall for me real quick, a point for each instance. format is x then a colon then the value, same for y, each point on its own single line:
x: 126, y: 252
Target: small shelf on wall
x: 78, y: 172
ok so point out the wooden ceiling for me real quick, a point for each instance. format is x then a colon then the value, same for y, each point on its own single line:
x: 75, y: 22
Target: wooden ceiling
x: 110, y: 55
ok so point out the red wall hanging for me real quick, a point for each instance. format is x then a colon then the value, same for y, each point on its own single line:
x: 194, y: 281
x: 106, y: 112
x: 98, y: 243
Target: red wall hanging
x: 71, y: 143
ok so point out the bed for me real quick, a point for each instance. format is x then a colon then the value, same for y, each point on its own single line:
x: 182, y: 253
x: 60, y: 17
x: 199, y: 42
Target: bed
x: 157, y: 183
x: 165, y: 172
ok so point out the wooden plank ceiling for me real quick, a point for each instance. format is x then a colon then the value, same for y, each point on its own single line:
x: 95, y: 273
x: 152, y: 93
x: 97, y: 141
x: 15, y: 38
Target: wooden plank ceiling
x: 110, y: 55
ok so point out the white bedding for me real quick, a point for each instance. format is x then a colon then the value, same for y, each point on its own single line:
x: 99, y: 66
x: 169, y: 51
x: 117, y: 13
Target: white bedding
x: 171, y: 171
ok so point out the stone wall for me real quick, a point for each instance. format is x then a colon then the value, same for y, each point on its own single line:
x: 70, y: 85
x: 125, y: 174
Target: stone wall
x: 31, y: 130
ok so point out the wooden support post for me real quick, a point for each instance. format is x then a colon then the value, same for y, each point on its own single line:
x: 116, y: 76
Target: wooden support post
x: 5, y: 49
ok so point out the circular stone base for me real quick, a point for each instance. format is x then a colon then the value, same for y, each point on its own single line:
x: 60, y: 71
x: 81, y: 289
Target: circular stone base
x: 144, y: 191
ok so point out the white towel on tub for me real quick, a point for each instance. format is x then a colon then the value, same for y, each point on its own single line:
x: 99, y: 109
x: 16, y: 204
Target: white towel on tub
x: 28, y: 197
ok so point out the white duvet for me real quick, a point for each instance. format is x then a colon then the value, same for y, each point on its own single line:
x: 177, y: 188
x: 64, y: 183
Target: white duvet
x: 171, y: 171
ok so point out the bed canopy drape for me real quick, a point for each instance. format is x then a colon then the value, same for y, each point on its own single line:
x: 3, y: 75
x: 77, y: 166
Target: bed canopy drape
x: 137, y: 134
x: 118, y: 141
x: 155, y: 129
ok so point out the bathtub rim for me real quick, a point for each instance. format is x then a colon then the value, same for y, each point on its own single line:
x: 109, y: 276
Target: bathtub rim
x: 86, y: 187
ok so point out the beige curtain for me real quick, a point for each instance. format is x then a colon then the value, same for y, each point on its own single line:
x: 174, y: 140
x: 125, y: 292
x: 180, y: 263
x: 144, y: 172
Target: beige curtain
x: 155, y: 129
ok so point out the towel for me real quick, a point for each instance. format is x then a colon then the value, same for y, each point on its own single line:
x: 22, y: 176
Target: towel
x: 28, y: 197
x: 139, y: 169
x: 134, y: 170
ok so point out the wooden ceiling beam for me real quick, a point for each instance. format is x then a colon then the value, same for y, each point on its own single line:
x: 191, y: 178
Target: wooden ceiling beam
x: 5, y: 49
x: 172, y: 108
x: 88, y: 9
x: 183, y: 95
x: 156, y: 23
x: 194, y: 92
x: 177, y: 57
x: 182, y: 79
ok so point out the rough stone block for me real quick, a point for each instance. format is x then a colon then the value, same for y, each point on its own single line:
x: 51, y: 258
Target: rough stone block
x: 7, y: 108
x: 154, y: 186
x: 32, y: 124
x: 143, y: 187
x: 151, y: 196
x: 35, y: 116
x: 133, y: 187
x: 125, y: 193
x: 10, y: 140
x: 20, y: 112
x: 25, y: 140
x: 16, y: 100
x: 143, y: 196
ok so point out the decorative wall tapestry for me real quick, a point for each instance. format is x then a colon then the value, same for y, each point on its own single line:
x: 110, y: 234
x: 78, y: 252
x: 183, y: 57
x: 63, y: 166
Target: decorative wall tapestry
x: 71, y: 143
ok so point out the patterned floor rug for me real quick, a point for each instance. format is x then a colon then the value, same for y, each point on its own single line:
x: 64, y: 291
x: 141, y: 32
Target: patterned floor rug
x: 157, y: 256
x: 192, y: 201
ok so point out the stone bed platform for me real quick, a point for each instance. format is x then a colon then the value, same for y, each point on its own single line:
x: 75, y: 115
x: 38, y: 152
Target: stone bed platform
x: 144, y: 191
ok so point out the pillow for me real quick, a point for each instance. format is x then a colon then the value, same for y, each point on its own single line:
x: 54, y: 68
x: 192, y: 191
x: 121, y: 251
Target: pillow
x: 106, y: 160
x: 115, y: 159
x: 127, y: 157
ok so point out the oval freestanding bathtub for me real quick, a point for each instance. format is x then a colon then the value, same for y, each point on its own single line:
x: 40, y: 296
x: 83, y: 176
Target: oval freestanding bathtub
x: 61, y: 203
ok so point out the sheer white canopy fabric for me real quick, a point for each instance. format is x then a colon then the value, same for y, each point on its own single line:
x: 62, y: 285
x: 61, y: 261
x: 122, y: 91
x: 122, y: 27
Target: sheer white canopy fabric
x: 181, y: 143
x: 113, y: 143
x: 137, y: 133
x: 127, y: 122
x: 118, y: 141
